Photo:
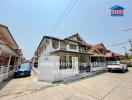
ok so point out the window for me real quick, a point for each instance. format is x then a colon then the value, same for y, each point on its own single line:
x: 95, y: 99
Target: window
x: 82, y: 49
x: 73, y: 46
x: 62, y: 46
x: 82, y: 59
x: 70, y: 61
x: 55, y: 44
x: 62, y: 62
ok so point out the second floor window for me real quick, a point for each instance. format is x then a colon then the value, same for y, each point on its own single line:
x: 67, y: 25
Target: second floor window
x: 82, y: 49
x: 73, y: 46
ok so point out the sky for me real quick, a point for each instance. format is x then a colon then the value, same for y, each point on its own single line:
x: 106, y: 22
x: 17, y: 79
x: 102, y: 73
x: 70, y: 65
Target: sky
x: 30, y: 20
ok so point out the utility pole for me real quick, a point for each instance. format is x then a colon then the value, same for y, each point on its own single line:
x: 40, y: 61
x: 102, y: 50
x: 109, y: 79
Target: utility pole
x: 130, y: 45
x: 129, y: 29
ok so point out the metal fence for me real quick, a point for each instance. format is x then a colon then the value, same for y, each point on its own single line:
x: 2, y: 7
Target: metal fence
x: 98, y: 64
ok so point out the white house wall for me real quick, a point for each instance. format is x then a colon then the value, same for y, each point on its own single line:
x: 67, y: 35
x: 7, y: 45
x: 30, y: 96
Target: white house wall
x: 49, y: 47
x: 49, y: 69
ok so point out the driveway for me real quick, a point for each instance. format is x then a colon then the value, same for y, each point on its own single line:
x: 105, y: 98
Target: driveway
x: 107, y: 86
x: 21, y: 86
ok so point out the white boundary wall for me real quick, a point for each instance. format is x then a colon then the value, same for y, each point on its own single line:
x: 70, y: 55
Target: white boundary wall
x: 4, y: 74
x: 49, y: 69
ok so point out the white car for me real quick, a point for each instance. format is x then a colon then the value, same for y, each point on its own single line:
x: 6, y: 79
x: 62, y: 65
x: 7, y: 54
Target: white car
x: 116, y: 66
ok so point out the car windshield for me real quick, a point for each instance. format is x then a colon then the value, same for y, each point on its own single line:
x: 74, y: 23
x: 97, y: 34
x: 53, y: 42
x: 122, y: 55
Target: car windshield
x: 24, y: 66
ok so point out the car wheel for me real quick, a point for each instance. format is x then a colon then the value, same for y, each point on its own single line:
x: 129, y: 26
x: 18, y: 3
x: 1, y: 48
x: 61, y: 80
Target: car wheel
x: 123, y: 70
x: 110, y: 71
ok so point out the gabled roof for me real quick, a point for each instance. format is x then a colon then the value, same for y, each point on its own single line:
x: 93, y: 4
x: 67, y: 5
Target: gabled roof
x: 117, y: 7
x: 3, y: 26
x: 110, y: 54
x: 99, y: 45
x: 46, y: 37
x: 93, y: 50
x: 77, y: 37
x: 6, y: 50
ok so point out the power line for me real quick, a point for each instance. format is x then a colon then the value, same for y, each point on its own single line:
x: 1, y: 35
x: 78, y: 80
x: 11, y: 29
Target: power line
x: 129, y: 29
x: 64, y: 15
x: 115, y: 45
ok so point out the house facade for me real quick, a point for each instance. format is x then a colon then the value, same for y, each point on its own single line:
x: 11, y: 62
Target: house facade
x: 56, y: 59
x: 10, y: 54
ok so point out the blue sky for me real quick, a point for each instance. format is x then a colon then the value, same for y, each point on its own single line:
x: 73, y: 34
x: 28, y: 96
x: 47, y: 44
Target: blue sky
x: 29, y: 20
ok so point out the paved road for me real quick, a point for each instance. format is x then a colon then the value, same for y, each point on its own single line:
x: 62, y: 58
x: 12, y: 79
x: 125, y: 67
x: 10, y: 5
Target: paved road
x: 107, y: 86
x: 21, y: 86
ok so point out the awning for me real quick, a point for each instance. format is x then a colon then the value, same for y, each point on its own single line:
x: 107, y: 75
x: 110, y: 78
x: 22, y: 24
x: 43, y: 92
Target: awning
x: 6, y: 50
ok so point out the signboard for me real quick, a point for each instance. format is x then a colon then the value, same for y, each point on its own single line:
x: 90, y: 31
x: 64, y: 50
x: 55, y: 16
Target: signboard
x: 117, y: 11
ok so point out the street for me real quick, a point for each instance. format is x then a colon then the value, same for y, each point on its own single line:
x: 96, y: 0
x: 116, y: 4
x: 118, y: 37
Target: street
x: 21, y: 86
x: 106, y: 86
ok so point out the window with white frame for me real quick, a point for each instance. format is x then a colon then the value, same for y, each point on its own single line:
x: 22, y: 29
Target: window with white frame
x: 72, y: 46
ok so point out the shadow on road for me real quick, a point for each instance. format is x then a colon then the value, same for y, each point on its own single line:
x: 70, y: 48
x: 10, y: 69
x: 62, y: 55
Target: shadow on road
x: 83, y: 78
x: 4, y: 83
x: 118, y: 71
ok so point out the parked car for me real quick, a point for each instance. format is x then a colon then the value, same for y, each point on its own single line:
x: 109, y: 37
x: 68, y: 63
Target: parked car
x: 116, y: 66
x: 23, y: 70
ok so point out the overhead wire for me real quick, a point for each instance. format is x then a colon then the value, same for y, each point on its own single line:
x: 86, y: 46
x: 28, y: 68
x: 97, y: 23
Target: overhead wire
x: 64, y: 15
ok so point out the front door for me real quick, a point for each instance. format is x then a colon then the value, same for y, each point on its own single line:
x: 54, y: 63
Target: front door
x: 75, y: 64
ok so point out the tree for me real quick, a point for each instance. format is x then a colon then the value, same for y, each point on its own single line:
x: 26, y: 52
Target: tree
x: 126, y: 56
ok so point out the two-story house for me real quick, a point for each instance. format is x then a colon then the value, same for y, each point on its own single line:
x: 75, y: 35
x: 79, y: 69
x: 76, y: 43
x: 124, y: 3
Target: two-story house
x: 57, y: 59
x: 61, y: 58
x: 9, y: 52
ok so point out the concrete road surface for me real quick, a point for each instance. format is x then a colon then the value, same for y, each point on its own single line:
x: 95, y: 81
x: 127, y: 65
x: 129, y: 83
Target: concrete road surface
x: 107, y: 86
x: 20, y: 86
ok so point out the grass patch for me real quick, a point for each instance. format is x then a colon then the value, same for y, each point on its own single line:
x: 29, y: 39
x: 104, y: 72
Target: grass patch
x: 56, y: 82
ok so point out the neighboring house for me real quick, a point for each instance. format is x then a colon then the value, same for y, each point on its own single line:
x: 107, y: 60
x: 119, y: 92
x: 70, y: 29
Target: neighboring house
x: 112, y: 56
x: 101, y: 55
x: 98, y: 59
x: 9, y: 53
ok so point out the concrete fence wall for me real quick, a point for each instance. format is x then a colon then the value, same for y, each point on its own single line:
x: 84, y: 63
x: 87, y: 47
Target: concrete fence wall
x: 6, y: 73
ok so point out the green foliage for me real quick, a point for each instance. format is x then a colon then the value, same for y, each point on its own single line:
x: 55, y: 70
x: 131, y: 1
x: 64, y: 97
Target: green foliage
x: 130, y: 56
x: 113, y: 56
x: 56, y: 82
x: 126, y: 55
x: 78, y: 39
x: 129, y: 64
x: 66, y: 43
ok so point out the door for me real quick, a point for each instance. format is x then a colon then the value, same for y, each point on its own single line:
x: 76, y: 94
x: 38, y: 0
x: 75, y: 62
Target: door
x: 75, y: 65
